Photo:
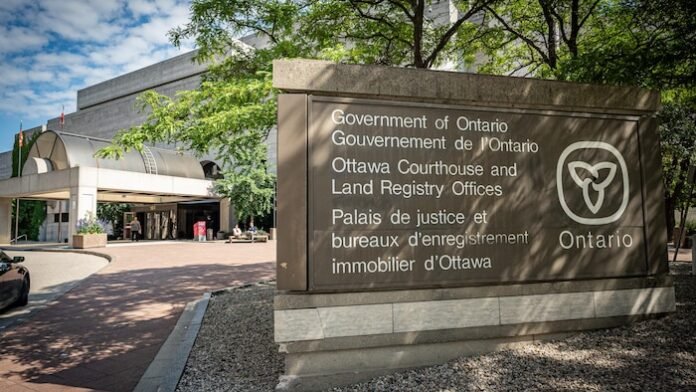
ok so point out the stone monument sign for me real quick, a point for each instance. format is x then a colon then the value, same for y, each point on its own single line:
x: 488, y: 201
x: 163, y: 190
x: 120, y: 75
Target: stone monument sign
x: 459, y: 207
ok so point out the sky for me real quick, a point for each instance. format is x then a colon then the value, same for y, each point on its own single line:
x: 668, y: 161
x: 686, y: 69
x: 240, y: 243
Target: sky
x: 49, y: 49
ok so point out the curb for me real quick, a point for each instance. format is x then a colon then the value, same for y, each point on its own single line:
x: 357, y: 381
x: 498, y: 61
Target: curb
x: 166, y: 369
x: 57, y: 250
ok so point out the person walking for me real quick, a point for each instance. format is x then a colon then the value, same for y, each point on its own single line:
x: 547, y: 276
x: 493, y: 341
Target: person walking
x: 135, y: 229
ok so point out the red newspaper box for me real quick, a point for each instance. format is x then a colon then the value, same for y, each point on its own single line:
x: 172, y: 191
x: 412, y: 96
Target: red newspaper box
x: 199, y: 230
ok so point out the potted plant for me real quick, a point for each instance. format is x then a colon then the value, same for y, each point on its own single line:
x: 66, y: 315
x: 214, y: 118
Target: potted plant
x: 91, y: 233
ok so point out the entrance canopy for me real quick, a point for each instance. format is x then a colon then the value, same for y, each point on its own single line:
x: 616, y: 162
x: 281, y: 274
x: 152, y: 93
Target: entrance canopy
x: 60, y: 150
x: 62, y: 166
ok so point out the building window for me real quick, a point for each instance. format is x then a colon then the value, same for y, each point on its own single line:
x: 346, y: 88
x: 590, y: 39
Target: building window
x: 65, y: 217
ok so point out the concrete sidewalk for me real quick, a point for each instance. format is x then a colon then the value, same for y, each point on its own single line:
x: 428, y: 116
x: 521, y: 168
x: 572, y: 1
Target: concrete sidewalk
x: 104, y: 333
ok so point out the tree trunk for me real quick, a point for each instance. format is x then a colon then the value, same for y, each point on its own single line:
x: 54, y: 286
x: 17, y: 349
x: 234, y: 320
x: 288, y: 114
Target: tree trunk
x: 551, y: 38
x: 669, y: 215
x: 671, y: 201
x: 418, y: 19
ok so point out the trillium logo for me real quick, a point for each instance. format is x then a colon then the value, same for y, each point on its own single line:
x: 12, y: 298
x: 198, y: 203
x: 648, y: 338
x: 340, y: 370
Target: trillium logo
x: 598, y: 186
x: 593, y: 180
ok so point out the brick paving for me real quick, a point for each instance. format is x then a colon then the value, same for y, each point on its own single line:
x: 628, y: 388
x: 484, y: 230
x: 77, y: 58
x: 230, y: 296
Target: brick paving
x: 683, y: 255
x: 104, y: 333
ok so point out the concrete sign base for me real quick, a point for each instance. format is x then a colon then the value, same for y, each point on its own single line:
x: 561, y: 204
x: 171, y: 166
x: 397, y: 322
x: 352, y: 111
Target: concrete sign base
x: 332, y: 339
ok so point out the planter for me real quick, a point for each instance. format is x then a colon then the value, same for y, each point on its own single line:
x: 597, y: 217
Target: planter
x: 87, y: 241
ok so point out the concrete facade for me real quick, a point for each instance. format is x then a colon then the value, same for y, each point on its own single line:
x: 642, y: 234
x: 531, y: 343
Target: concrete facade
x: 55, y: 227
x: 5, y: 220
x: 5, y: 164
x: 108, y: 107
x: 166, y: 72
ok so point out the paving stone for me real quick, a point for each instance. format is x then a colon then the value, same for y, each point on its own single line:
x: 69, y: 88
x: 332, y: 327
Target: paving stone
x: 123, y: 313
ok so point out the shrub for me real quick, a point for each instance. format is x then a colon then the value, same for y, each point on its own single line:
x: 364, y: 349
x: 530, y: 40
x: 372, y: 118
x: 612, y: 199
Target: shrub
x: 691, y: 227
x: 91, y: 225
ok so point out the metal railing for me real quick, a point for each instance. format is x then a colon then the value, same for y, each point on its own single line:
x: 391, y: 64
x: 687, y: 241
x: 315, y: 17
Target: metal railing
x: 16, y: 240
x: 149, y: 160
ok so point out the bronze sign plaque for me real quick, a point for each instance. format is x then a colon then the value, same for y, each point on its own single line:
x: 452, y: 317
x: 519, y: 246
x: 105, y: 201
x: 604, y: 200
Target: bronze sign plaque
x: 403, y: 195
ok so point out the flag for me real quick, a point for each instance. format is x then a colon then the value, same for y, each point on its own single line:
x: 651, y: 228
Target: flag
x: 62, y: 117
x: 21, y: 136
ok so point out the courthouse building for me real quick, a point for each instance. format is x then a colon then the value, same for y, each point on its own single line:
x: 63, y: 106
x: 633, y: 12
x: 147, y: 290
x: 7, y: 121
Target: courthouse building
x: 170, y: 190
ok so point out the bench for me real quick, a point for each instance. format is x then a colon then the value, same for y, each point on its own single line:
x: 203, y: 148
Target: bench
x: 245, y: 239
x: 259, y: 238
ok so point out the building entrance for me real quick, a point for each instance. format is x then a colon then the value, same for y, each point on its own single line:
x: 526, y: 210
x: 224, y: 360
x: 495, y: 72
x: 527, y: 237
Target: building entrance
x: 175, y: 220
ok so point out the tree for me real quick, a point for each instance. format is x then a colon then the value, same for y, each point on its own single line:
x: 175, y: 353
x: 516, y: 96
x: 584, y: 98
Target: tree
x: 32, y: 213
x: 650, y: 43
x: 113, y: 213
x: 230, y: 118
x: 678, y: 142
x: 536, y: 36
x: 249, y: 186
x: 395, y: 32
x: 645, y: 43
x: 234, y: 109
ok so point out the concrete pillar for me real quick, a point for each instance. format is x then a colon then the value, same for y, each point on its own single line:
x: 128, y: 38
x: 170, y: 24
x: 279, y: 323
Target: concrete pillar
x: 83, y: 200
x: 5, y: 220
x: 227, y: 218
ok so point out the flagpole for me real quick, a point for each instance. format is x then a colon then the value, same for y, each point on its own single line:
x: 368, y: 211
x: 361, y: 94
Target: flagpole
x: 19, y: 172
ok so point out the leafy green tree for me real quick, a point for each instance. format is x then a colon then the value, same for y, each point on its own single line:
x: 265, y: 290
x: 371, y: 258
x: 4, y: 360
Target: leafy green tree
x: 536, y: 36
x: 234, y: 109
x: 644, y: 43
x: 678, y: 142
x: 230, y: 118
x: 249, y: 186
x: 394, y: 32
x: 32, y: 213
x: 650, y: 43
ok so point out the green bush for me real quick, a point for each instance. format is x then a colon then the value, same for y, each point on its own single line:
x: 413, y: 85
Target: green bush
x: 691, y: 227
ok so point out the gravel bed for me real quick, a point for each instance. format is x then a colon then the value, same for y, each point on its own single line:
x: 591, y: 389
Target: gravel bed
x: 235, y: 352
x: 654, y: 355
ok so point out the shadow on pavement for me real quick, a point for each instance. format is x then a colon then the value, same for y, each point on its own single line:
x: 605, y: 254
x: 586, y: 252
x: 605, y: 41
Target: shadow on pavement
x: 37, y: 301
x: 104, y: 333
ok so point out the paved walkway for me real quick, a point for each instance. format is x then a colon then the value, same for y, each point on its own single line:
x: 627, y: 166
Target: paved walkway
x: 52, y: 275
x: 683, y: 255
x: 104, y: 333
